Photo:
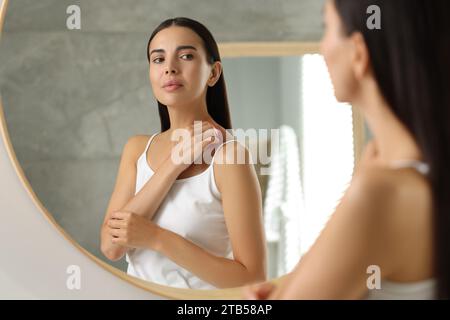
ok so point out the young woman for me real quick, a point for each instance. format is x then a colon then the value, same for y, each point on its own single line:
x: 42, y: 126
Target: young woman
x: 186, y: 224
x: 394, y: 219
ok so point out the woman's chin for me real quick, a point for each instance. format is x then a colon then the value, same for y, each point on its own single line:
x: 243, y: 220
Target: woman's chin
x: 174, y: 103
x: 340, y: 97
x: 177, y: 100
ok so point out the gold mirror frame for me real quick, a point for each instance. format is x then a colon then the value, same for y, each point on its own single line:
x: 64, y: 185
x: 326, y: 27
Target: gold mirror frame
x: 227, y: 50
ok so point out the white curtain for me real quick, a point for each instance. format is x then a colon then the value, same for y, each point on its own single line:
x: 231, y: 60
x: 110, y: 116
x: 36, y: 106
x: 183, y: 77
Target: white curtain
x: 283, y: 203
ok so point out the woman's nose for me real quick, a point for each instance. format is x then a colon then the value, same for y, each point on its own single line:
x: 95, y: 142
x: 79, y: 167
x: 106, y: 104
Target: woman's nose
x: 171, y: 67
x: 172, y: 70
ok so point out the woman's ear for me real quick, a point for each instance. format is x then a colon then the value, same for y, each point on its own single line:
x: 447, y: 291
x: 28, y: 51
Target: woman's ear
x: 360, y: 59
x: 215, y: 73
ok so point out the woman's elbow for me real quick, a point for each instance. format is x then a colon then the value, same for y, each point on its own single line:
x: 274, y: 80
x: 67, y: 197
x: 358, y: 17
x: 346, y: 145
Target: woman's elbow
x: 111, y: 253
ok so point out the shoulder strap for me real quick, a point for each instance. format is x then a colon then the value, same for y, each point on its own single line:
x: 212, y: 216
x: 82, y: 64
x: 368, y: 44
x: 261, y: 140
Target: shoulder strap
x: 219, y: 147
x: 149, y: 141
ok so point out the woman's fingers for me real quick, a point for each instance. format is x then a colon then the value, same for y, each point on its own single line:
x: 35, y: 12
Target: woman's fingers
x: 199, y: 135
x: 249, y: 293
x: 259, y: 291
x: 192, y: 150
x: 121, y: 215
x: 208, y: 135
x: 116, y: 232
x: 115, y: 223
x: 200, y: 146
x: 202, y: 140
x: 211, y: 132
x: 118, y: 241
x: 265, y: 290
x: 206, y: 142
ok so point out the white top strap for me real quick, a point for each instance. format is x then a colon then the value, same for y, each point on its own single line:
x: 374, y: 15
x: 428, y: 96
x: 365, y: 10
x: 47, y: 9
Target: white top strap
x: 420, y: 166
x: 219, y: 147
x: 149, y: 141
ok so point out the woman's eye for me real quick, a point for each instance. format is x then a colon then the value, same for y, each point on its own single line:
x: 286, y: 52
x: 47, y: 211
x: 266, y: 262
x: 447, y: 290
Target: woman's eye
x: 158, y: 60
x: 187, y: 56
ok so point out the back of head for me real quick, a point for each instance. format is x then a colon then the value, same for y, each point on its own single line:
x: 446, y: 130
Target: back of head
x: 410, y: 60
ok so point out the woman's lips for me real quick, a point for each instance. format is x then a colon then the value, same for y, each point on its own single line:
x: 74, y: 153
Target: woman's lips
x: 172, y: 87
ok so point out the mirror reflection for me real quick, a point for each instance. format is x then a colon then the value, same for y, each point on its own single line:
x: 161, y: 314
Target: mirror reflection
x: 229, y: 225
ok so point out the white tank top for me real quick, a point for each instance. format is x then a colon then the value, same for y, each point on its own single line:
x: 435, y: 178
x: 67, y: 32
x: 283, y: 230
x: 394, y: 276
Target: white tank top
x: 193, y: 209
x: 420, y: 290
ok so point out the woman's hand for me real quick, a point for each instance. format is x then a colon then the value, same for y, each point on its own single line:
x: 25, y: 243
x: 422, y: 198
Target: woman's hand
x: 260, y: 291
x: 195, y: 139
x: 134, y: 231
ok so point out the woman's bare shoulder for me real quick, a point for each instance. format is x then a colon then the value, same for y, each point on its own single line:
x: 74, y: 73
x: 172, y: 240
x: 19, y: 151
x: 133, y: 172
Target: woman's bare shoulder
x: 393, y: 185
x: 233, y: 164
x: 400, y: 199
x: 135, y: 146
x: 232, y: 154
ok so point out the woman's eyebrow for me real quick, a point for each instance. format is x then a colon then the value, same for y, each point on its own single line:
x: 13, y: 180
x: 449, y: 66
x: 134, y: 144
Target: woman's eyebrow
x: 178, y: 49
x: 156, y: 50
x: 186, y: 47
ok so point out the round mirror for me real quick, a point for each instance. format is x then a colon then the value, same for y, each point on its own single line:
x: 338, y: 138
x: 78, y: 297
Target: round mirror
x: 75, y: 87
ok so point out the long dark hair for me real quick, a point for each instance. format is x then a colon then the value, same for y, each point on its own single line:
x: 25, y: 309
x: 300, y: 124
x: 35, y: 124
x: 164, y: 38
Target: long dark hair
x: 410, y: 58
x: 216, y: 96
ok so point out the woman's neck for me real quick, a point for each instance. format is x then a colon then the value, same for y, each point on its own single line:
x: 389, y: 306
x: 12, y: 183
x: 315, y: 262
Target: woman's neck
x: 392, y: 139
x: 184, y: 116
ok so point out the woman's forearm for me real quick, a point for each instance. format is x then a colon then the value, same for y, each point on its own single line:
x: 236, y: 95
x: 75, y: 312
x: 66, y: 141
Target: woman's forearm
x: 218, y: 271
x: 145, y: 203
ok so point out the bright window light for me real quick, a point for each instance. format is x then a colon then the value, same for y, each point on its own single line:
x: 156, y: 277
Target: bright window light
x: 326, y: 146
